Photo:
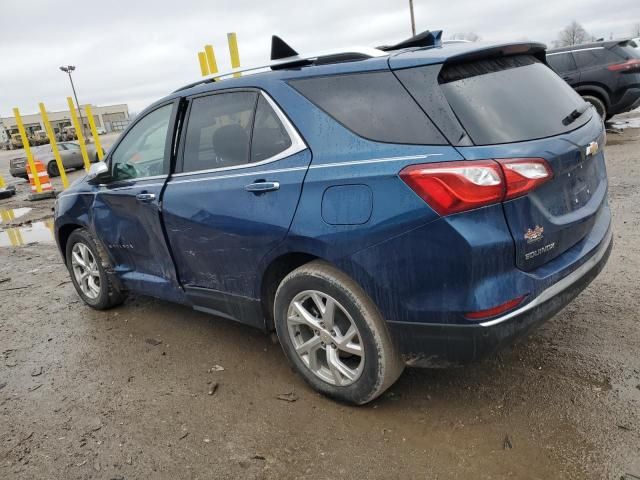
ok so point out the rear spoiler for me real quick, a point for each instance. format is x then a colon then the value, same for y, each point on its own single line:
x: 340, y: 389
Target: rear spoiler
x: 525, y: 48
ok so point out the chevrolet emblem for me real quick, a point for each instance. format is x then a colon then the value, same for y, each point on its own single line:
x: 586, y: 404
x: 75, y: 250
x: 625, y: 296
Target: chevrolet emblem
x: 592, y: 148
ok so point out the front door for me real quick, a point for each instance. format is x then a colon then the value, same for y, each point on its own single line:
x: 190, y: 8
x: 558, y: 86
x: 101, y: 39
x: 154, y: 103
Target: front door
x: 126, y: 211
x: 242, y: 168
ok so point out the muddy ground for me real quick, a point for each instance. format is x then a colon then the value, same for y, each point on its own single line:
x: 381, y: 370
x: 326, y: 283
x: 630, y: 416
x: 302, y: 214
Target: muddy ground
x: 125, y: 393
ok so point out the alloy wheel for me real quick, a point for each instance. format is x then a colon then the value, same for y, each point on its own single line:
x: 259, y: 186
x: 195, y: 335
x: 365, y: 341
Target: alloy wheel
x: 325, y: 337
x: 85, y: 270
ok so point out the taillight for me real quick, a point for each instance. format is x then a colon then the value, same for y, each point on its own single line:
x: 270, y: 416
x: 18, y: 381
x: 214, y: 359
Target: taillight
x: 632, y: 65
x: 452, y: 187
x: 523, y: 175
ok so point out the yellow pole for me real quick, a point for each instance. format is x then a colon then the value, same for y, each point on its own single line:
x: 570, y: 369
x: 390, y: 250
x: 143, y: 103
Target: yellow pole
x: 54, y: 145
x: 211, y: 59
x: 204, y: 69
x: 27, y: 150
x: 76, y: 125
x: 233, y: 51
x: 2, y: 184
x: 94, y: 132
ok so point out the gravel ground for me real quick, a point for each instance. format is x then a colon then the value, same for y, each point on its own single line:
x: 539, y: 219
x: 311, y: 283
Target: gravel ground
x: 126, y: 393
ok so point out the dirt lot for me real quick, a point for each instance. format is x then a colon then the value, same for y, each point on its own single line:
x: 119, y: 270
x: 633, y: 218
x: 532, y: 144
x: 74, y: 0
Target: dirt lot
x: 125, y: 393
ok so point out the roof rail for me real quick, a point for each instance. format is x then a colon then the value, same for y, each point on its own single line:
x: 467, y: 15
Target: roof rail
x: 317, y: 58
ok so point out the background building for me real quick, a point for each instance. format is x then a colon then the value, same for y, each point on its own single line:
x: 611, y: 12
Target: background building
x: 112, y: 118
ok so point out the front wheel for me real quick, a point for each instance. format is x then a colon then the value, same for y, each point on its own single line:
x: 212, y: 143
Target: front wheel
x: 87, y: 268
x: 333, y: 334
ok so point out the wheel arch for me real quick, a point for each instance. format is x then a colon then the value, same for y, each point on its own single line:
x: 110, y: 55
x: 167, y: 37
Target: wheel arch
x: 595, y: 91
x: 275, y: 271
x: 64, y: 232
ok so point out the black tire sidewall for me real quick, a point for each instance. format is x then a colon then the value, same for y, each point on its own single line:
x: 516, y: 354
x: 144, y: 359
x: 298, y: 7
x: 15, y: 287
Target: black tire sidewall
x: 361, y: 390
x: 82, y: 236
x: 52, y: 169
x: 598, y: 104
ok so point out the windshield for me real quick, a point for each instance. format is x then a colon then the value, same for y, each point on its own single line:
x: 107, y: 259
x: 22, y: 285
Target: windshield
x: 511, y: 99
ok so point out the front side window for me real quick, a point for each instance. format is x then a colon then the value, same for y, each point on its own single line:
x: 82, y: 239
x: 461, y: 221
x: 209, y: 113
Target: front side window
x: 219, y: 131
x: 141, y: 152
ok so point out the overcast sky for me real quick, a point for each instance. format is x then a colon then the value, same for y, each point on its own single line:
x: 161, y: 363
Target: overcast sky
x: 138, y: 51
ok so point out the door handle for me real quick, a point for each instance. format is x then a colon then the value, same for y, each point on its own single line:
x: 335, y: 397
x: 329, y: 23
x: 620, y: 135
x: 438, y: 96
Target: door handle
x: 262, y: 186
x: 145, y: 197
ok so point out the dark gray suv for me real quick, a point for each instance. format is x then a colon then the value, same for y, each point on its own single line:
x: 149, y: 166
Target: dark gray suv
x: 606, y: 74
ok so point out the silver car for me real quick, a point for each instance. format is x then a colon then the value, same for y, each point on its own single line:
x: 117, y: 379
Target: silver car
x: 69, y: 153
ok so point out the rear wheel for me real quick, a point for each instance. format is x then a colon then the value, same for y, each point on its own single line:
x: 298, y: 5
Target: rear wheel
x: 87, y: 268
x: 599, y: 104
x: 52, y: 169
x: 333, y: 334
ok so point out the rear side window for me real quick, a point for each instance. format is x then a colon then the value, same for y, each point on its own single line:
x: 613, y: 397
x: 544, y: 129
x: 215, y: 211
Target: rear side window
x: 510, y: 99
x: 373, y: 105
x: 595, y: 57
x: 269, y: 135
x: 219, y: 131
x: 561, y: 62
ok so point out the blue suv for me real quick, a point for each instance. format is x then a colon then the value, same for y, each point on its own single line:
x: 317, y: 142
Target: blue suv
x: 415, y: 204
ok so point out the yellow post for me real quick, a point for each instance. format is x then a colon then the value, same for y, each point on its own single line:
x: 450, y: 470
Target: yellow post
x: 94, y: 132
x: 78, y: 127
x: 54, y: 145
x: 233, y: 51
x: 204, y: 69
x: 211, y: 59
x: 27, y: 150
x: 2, y: 184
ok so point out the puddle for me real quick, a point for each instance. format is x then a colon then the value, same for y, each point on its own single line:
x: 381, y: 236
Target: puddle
x: 7, y: 216
x: 37, y: 232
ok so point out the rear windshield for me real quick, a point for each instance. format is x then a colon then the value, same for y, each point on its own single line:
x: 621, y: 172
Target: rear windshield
x: 627, y: 50
x: 510, y: 99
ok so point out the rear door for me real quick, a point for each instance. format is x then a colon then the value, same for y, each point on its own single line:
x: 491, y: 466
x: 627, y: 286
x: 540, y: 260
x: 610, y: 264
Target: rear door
x: 240, y: 173
x: 126, y: 211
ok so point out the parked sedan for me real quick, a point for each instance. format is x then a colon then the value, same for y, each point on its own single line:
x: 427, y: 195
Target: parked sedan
x: 69, y: 153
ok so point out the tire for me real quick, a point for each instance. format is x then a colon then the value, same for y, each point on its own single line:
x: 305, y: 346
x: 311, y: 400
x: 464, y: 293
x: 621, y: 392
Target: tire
x: 108, y: 294
x: 601, y: 108
x: 372, y: 371
x: 52, y: 169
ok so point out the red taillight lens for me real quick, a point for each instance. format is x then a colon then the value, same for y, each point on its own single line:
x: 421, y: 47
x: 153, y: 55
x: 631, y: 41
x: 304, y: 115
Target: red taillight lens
x: 632, y: 65
x: 523, y: 175
x: 452, y: 187
x: 497, y: 310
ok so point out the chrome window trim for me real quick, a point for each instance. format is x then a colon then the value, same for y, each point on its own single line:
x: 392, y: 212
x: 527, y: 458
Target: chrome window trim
x: 576, y: 50
x: 321, y: 165
x: 297, y: 144
x: 560, y: 285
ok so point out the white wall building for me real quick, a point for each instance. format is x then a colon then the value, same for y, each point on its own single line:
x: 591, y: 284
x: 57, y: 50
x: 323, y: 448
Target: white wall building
x: 112, y: 118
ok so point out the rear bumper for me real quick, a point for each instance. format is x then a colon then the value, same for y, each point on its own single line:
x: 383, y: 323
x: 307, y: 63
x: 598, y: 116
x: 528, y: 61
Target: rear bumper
x: 438, y: 345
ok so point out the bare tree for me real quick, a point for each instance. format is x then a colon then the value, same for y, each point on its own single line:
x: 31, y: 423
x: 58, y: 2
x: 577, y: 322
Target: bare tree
x: 573, y: 34
x: 470, y: 36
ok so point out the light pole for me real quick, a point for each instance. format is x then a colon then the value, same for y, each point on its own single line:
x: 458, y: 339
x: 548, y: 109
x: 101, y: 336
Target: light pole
x: 68, y: 69
x: 413, y: 21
